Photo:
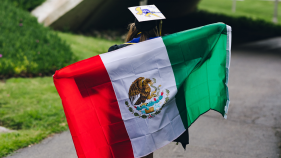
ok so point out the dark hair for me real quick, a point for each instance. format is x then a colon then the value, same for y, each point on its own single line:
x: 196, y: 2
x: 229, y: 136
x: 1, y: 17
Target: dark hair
x: 133, y: 32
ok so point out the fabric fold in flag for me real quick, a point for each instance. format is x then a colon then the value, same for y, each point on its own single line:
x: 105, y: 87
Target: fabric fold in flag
x: 132, y: 101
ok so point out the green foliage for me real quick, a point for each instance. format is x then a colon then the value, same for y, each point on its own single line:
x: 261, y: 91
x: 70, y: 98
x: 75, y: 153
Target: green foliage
x: 28, y: 48
x: 136, y: 114
x: 27, y: 4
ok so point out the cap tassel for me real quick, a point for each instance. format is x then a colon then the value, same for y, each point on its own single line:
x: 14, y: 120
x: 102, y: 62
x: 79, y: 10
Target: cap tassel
x: 160, y: 28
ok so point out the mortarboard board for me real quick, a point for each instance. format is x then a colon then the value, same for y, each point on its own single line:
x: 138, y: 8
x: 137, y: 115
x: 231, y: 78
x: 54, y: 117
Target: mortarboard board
x: 147, y: 16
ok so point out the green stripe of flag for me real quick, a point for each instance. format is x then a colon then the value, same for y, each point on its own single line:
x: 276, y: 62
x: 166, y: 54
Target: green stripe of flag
x: 198, y: 59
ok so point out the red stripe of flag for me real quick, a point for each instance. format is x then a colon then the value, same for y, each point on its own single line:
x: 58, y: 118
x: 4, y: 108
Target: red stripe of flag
x: 92, y: 110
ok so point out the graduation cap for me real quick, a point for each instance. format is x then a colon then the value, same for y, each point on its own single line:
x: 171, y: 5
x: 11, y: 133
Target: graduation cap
x: 147, y: 17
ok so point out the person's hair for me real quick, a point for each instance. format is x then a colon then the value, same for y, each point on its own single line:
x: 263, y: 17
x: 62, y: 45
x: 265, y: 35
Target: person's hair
x: 133, y: 32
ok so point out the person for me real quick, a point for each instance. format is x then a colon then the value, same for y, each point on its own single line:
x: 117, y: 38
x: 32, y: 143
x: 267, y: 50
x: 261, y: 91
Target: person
x: 140, y: 31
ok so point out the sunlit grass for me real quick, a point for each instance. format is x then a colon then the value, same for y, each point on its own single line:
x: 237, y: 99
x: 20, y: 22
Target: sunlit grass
x: 255, y: 9
x: 85, y: 47
x: 32, y: 107
x: 18, y: 139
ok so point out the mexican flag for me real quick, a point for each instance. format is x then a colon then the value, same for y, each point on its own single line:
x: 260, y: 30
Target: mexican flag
x: 132, y: 101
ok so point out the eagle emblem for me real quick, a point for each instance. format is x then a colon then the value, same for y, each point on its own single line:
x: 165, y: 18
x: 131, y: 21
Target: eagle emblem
x: 144, y: 101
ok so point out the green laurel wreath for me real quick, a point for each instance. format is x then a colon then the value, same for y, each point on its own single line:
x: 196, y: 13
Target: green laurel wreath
x: 152, y: 115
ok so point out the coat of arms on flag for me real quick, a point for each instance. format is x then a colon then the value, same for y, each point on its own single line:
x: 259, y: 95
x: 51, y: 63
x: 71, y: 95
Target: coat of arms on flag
x: 132, y: 101
x: 144, y: 102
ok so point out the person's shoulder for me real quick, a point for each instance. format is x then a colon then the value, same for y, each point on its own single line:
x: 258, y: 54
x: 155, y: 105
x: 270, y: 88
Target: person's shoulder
x: 115, y: 47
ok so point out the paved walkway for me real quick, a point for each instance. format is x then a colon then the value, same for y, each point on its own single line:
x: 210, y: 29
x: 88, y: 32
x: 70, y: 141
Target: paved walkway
x: 253, y: 127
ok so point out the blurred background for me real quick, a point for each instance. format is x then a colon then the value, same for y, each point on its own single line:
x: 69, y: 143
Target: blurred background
x: 38, y: 37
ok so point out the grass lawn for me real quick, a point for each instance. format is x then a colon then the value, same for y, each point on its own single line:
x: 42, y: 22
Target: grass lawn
x: 85, y: 47
x: 32, y: 106
x: 256, y: 9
